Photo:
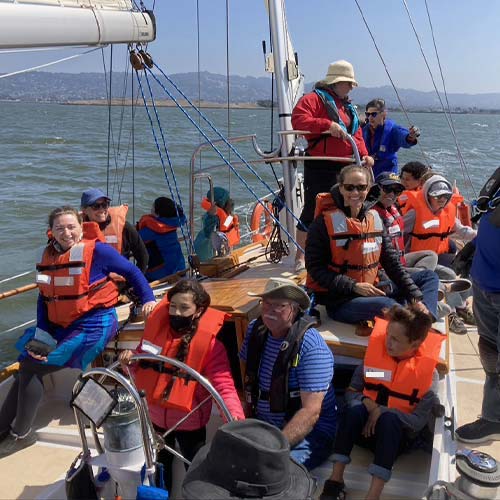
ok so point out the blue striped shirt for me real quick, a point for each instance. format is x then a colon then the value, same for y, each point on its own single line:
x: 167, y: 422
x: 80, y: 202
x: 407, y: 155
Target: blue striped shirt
x: 314, y: 373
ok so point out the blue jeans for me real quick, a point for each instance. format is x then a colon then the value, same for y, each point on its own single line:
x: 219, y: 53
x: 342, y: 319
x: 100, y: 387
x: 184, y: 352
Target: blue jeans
x: 486, y: 307
x: 313, y: 450
x: 387, y: 442
x: 366, y: 308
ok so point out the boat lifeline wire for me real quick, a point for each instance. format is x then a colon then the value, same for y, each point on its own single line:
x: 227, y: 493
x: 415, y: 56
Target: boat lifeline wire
x: 232, y: 148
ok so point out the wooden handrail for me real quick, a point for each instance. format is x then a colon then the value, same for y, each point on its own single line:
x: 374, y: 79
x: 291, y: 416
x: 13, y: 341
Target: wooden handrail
x: 17, y: 291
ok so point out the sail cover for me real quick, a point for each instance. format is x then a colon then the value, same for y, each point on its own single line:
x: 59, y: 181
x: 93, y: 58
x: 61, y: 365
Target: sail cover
x: 45, y: 23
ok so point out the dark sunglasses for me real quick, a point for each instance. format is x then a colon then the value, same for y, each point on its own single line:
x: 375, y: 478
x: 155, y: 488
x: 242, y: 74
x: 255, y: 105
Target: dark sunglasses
x: 397, y: 190
x: 358, y: 187
x: 441, y: 196
x: 97, y: 206
x: 373, y: 114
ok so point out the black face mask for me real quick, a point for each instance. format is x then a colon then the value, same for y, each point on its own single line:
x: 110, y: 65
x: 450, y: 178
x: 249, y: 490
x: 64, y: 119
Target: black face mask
x: 181, y: 323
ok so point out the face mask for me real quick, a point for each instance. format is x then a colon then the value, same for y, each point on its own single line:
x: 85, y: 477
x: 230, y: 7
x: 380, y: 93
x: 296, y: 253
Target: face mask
x: 181, y: 323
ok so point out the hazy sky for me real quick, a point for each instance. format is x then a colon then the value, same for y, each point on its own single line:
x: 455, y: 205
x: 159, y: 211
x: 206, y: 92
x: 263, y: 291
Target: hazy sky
x: 467, y: 37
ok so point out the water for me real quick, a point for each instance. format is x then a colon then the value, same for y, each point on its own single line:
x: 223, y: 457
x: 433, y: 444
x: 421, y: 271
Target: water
x: 50, y: 153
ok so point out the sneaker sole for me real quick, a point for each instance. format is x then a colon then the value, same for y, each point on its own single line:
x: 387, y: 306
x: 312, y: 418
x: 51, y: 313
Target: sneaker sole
x: 490, y: 437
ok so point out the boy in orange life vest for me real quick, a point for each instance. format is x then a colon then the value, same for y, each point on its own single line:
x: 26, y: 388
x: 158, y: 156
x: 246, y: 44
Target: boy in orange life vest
x: 219, y: 218
x: 390, y: 397
x: 185, y: 328
x: 113, y: 223
x: 412, y: 179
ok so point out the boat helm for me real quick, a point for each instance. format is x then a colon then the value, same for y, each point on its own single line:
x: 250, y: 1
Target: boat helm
x: 479, y: 474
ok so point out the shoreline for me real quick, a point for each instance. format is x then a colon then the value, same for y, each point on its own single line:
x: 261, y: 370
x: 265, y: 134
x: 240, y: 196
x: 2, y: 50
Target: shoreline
x: 165, y: 103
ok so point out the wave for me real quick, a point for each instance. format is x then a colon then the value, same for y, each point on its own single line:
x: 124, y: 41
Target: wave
x: 475, y: 124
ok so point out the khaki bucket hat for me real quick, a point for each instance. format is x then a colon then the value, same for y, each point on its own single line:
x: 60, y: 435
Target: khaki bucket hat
x: 340, y: 71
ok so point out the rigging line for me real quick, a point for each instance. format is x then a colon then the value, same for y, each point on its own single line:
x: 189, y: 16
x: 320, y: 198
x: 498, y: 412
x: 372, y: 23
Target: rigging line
x: 16, y: 276
x: 233, y: 149
x: 272, y: 79
x: 22, y: 325
x: 461, y: 160
x: 446, y: 97
x: 189, y: 240
x: 228, y: 92
x: 109, y: 117
x: 40, y: 66
x: 389, y: 76
x: 133, y: 143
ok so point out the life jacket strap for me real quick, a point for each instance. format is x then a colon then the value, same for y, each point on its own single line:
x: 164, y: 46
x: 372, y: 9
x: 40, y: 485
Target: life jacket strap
x: 265, y: 395
x: 383, y: 394
x: 345, y: 266
x: 426, y: 236
x: 56, y: 267
x: 161, y: 368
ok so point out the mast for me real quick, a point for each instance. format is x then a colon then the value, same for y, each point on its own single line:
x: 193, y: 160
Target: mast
x: 288, y: 89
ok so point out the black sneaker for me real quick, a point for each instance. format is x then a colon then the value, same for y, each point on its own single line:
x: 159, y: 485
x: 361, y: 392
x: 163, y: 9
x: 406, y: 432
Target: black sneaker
x: 466, y: 314
x: 456, y: 325
x: 479, y: 431
x: 333, y: 490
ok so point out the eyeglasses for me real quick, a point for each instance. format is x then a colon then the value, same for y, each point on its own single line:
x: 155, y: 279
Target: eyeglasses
x: 397, y: 190
x: 358, y: 187
x: 373, y: 114
x: 97, y: 206
x: 441, y: 197
x: 274, y: 306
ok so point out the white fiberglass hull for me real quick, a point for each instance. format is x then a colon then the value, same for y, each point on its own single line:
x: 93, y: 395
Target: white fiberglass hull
x: 24, y: 26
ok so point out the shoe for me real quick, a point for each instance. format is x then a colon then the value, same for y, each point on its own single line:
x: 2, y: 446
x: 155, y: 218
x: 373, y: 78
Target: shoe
x: 364, y: 328
x: 299, y: 265
x: 13, y: 443
x: 456, y: 285
x: 466, y: 314
x: 456, y: 325
x: 479, y: 431
x: 333, y: 490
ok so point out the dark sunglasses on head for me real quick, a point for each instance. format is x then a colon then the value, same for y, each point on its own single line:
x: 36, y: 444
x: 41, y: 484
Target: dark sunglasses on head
x: 373, y: 114
x: 97, y: 206
x: 357, y: 187
x: 397, y: 190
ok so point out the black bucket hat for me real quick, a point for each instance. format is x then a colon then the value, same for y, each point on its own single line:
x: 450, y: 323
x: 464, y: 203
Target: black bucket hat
x: 247, y: 459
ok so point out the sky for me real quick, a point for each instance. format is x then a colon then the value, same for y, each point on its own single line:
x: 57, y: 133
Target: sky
x: 467, y: 39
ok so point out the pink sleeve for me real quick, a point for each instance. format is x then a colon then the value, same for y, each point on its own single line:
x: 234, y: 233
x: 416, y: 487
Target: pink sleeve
x: 218, y: 371
x: 307, y: 115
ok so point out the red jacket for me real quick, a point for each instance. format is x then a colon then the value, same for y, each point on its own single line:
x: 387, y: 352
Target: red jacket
x: 310, y: 114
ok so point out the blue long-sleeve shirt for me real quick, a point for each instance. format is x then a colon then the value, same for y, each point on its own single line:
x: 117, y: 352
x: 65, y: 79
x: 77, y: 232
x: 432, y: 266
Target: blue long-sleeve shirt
x: 106, y: 260
x: 384, y: 144
x: 485, y: 270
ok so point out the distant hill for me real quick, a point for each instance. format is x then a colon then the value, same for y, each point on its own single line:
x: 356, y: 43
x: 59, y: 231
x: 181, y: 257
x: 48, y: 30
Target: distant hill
x: 63, y: 87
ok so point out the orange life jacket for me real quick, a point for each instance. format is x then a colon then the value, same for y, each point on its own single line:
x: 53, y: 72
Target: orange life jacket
x: 406, y: 199
x: 431, y: 231
x: 399, y: 384
x: 162, y: 384
x: 355, y: 245
x: 113, y: 232
x: 152, y: 222
x: 63, y: 281
x: 229, y: 224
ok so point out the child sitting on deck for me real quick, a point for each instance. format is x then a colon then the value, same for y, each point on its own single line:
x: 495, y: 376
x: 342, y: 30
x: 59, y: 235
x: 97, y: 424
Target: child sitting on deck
x: 390, y: 398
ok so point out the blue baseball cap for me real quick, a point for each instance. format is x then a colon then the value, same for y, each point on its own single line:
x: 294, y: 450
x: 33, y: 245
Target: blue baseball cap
x: 388, y: 179
x: 90, y: 196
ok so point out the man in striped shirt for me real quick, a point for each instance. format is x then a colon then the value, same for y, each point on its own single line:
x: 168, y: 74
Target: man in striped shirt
x: 288, y: 380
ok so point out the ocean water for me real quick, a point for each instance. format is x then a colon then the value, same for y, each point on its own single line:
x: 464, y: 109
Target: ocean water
x: 51, y: 152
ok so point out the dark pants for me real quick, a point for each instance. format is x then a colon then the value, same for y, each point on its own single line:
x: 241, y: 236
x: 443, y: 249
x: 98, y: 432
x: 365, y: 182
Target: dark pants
x: 387, y: 442
x: 366, y: 308
x: 189, y: 443
x: 24, y: 397
x: 319, y: 177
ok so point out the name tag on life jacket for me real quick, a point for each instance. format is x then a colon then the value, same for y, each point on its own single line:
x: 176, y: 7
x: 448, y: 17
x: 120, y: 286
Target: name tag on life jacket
x: 64, y: 281
x: 369, y: 247
x: 431, y: 223
x: 394, y: 229
x: 111, y: 238
x: 147, y: 346
x: 228, y: 221
x: 44, y: 279
x: 378, y: 374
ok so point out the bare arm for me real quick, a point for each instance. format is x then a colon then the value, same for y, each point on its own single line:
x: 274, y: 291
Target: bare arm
x: 304, y: 420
